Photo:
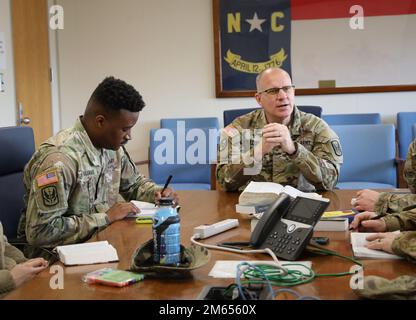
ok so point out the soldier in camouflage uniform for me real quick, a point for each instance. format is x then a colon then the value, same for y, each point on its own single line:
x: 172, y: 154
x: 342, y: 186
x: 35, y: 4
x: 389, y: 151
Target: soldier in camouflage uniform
x: 73, y: 181
x: 15, y: 269
x: 294, y: 148
x: 386, y: 202
x: 397, y: 211
x: 404, y: 287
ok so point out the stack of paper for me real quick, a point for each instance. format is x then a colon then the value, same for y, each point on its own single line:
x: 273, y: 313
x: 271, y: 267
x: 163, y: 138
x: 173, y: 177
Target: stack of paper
x: 87, y: 253
x: 358, y: 242
x: 334, y: 224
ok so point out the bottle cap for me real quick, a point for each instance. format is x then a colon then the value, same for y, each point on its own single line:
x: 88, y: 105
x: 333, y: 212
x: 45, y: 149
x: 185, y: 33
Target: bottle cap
x: 166, y: 201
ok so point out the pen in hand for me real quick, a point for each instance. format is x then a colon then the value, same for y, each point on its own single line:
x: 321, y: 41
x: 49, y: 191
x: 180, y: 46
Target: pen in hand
x: 166, y: 185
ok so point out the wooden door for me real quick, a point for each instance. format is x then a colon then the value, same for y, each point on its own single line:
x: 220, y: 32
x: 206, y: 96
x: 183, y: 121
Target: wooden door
x: 32, y: 70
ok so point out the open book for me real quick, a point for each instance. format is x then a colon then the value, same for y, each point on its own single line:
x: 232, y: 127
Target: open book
x: 264, y: 193
x: 359, y: 249
x: 87, y: 253
x: 147, y: 210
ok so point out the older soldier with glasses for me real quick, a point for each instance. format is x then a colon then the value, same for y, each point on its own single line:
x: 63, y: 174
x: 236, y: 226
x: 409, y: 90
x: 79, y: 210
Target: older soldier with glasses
x: 297, y: 148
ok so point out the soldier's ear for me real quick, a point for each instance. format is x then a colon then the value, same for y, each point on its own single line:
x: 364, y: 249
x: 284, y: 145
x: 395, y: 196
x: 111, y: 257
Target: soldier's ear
x: 258, y: 97
x: 100, y: 120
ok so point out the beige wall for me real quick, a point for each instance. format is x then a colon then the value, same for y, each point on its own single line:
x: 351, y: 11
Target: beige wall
x: 7, y: 98
x: 165, y: 49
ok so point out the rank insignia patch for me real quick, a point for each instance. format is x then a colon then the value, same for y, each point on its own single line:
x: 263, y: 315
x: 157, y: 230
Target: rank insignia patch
x: 50, y: 196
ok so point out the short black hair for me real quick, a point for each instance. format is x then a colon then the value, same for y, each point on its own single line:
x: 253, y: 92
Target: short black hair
x: 115, y: 94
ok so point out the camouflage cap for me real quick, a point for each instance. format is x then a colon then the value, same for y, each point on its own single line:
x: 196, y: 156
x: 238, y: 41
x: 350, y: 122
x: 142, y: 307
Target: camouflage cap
x: 191, y: 258
x: 401, y: 288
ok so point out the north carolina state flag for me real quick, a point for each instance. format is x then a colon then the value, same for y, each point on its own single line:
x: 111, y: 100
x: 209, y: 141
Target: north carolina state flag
x: 325, y: 47
x: 313, y: 40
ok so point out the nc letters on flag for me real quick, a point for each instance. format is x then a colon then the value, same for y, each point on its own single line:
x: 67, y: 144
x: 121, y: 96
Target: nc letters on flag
x: 255, y: 35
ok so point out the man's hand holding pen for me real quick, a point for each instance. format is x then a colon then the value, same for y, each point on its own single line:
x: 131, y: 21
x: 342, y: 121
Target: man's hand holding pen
x: 368, y: 222
x: 167, y: 192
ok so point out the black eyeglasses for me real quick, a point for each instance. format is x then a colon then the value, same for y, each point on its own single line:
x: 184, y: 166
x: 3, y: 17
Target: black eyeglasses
x: 275, y: 91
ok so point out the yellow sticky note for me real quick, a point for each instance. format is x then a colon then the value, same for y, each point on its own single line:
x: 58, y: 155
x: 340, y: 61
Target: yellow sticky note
x: 336, y: 214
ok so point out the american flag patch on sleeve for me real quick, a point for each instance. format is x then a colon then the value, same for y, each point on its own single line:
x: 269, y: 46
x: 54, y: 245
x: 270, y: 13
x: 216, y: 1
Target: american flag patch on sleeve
x: 47, y: 178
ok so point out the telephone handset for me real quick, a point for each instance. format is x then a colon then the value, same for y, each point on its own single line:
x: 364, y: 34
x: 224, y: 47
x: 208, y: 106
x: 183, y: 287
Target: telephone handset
x: 287, y: 225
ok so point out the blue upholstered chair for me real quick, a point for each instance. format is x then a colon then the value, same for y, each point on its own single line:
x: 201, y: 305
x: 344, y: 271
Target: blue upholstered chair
x: 352, y: 118
x: 17, y: 145
x: 405, y: 120
x: 230, y: 115
x: 188, y: 161
x: 369, y: 156
x: 414, y: 131
x: 209, y: 122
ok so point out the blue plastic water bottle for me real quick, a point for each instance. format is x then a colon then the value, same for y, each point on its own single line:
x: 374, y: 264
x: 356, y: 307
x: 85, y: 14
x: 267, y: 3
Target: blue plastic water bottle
x: 166, y: 234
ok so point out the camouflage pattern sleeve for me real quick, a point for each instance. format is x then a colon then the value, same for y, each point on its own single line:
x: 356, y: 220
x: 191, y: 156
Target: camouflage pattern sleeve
x: 409, y: 172
x: 405, y: 245
x: 6, y: 281
x: 133, y: 185
x: 394, y: 203
x: 405, y: 220
x: 50, y: 220
x: 321, y: 166
x: 401, y: 288
x: 235, y: 160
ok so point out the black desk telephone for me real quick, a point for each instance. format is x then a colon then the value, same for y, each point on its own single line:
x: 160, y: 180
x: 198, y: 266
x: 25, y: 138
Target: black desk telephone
x: 287, y: 225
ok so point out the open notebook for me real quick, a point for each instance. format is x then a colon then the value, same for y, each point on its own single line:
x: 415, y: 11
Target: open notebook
x: 147, y: 210
x: 359, y: 249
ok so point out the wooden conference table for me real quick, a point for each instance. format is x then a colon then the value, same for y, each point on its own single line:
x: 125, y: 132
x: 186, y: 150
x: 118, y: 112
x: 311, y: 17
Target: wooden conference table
x: 207, y: 207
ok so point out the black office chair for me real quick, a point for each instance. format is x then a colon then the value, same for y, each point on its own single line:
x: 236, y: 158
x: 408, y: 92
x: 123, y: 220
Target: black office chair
x: 17, y: 146
x: 230, y: 115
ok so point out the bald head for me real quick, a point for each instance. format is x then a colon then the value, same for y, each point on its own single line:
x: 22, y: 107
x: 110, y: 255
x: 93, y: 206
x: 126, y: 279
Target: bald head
x: 271, y: 73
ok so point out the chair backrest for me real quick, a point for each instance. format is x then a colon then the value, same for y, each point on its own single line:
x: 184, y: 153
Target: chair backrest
x: 369, y: 153
x: 230, y: 115
x: 414, y: 131
x: 405, y: 120
x: 209, y: 122
x: 17, y: 145
x: 352, y: 118
x: 315, y: 110
x: 186, y: 157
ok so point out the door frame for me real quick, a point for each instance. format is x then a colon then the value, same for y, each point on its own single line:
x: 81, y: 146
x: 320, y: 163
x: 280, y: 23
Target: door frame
x: 54, y: 65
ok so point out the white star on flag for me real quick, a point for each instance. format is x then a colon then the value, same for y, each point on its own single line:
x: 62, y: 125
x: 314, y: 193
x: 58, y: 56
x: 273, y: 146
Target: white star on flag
x: 255, y: 23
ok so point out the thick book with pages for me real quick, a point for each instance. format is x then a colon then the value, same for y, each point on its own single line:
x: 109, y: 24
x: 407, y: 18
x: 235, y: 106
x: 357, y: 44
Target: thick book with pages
x: 87, y: 253
x: 265, y: 193
x: 334, y: 224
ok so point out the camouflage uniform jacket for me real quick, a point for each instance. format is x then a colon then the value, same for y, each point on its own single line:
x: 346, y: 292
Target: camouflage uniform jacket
x: 70, y: 185
x: 318, y: 155
x: 9, y: 257
x: 401, y: 206
x: 403, y: 287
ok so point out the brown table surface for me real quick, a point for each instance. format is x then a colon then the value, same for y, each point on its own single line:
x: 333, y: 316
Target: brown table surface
x: 206, y: 207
